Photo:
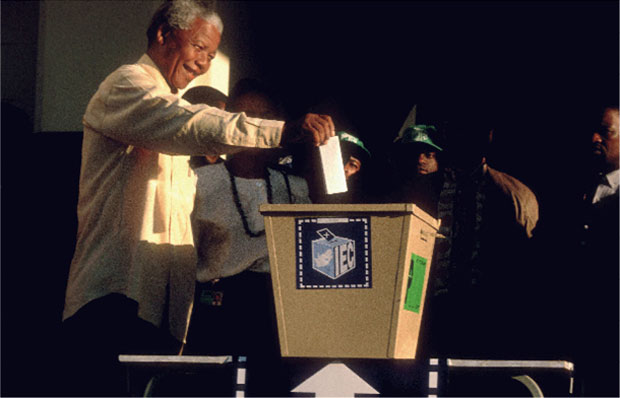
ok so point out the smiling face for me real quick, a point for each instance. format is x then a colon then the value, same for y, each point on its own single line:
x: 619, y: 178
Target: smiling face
x: 182, y: 55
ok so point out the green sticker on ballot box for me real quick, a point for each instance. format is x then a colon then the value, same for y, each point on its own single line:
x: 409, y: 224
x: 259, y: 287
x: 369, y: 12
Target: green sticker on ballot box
x: 415, y: 283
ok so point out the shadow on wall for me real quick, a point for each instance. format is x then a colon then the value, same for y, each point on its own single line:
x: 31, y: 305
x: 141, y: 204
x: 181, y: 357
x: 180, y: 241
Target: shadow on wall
x: 40, y: 174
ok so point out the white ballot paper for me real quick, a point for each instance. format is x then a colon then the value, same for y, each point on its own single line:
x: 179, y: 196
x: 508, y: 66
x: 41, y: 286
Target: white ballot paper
x: 333, y: 166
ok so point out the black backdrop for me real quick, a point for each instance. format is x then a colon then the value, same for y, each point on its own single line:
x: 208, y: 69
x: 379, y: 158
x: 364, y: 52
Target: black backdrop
x: 545, y: 62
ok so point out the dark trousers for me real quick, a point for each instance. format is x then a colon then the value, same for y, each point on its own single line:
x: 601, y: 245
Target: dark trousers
x: 244, y: 324
x: 96, y: 335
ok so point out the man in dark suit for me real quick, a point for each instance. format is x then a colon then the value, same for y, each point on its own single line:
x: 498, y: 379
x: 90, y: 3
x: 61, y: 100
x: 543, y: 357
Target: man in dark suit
x: 597, y: 339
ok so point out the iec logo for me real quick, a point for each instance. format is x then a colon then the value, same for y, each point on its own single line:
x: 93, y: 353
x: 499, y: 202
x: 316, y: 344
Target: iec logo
x: 333, y: 253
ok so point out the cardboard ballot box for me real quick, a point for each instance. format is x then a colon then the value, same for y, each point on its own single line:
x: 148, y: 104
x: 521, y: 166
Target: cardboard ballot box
x: 349, y: 280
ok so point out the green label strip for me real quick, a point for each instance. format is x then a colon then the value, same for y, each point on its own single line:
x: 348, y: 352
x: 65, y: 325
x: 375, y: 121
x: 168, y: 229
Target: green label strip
x: 415, y: 284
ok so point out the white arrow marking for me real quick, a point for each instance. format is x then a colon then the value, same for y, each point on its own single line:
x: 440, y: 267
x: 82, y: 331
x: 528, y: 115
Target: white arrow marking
x: 335, y: 380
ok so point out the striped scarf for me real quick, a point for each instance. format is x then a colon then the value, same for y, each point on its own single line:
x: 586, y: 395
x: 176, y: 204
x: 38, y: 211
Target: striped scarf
x: 457, y: 257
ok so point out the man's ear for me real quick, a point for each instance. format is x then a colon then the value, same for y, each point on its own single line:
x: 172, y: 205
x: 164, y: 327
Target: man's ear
x: 163, y: 33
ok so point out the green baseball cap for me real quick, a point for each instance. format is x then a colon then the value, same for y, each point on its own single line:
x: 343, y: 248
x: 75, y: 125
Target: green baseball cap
x: 419, y: 133
x: 344, y: 136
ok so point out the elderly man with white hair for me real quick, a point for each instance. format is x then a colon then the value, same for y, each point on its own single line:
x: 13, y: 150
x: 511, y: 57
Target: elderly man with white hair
x: 131, y: 281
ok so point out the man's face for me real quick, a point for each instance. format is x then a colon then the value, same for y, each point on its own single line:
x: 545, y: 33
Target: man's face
x: 188, y: 53
x: 259, y: 106
x: 605, y: 139
x: 352, y: 166
x: 254, y: 105
x: 427, y: 162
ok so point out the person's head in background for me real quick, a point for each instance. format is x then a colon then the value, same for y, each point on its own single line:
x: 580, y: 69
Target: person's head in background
x: 255, y: 99
x: 605, y: 140
x: 206, y: 95
x: 356, y: 159
x: 418, y: 150
x: 183, y: 38
x: 306, y: 160
x: 212, y: 97
x: 355, y: 155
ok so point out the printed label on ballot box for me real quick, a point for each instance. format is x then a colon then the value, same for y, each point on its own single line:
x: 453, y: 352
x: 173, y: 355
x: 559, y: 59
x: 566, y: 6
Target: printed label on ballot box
x: 333, y: 253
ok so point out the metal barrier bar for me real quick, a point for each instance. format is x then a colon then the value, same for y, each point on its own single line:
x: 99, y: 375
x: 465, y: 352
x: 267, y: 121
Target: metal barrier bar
x: 495, y: 363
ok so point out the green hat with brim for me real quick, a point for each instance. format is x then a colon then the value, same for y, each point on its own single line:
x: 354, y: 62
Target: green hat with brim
x: 419, y: 134
x: 344, y: 136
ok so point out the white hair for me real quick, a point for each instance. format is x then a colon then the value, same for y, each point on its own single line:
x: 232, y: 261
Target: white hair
x: 183, y: 12
x: 180, y: 14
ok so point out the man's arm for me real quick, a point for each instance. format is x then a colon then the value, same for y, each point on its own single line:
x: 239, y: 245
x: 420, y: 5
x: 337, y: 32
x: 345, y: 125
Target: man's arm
x: 129, y: 107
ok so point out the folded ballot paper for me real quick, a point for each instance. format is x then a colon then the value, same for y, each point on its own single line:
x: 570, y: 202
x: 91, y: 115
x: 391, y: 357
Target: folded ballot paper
x: 333, y: 166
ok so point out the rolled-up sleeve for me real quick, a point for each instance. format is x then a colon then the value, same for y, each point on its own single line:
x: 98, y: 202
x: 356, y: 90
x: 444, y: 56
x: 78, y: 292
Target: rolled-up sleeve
x: 132, y: 108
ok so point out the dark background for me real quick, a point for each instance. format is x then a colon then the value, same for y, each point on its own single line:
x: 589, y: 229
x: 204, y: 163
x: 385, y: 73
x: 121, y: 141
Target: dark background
x: 544, y: 65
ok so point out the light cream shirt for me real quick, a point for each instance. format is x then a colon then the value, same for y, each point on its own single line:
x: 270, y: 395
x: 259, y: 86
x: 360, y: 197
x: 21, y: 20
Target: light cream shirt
x: 136, y: 191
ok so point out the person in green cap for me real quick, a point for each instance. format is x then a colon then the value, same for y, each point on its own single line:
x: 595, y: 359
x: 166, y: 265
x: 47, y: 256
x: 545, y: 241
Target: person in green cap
x: 482, y: 273
x: 355, y: 155
x: 356, y: 158
x: 305, y: 161
x: 426, y: 150
x: 417, y: 160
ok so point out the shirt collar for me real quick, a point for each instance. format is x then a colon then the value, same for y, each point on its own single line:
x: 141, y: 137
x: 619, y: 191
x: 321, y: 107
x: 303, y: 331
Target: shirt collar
x: 613, y: 179
x: 152, y: 69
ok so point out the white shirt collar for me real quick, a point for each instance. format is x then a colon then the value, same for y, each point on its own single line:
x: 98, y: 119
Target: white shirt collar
x: 607, y: 187
x: 152, y: 69
x: 613, y: 179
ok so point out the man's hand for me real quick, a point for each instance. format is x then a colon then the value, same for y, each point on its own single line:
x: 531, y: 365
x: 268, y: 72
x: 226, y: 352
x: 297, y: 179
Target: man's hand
x: 313, y: 128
